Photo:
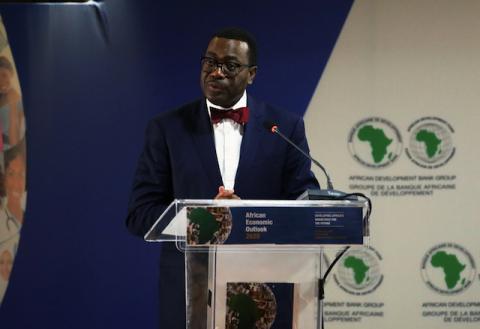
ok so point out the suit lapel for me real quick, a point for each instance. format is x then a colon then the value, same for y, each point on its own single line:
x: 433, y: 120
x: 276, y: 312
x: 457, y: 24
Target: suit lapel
x: 250, y: 142
x: 204, y: 144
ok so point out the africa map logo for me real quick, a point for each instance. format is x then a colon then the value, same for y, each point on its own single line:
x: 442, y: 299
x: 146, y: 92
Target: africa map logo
x: 448, y: 268
x: 430, y: 145
x: 375, y: 142
x: 359, y: 271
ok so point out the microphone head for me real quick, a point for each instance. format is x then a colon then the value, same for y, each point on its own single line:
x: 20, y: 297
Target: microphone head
x: 270, y: 126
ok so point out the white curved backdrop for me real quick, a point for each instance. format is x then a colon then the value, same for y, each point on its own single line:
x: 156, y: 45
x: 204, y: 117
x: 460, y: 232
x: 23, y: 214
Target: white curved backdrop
x: 396, y: 115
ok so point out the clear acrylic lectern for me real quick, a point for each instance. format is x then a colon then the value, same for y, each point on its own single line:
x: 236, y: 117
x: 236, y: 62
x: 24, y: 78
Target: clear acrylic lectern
x: 257, y: 263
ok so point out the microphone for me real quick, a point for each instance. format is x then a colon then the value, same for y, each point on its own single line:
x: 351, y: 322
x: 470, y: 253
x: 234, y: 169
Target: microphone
x: 330, y: 192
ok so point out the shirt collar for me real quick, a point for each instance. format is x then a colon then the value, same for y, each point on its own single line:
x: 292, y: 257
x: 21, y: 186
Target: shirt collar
x: 242, y: 102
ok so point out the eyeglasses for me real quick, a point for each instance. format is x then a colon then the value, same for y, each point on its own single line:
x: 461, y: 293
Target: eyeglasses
x: 228, y: 68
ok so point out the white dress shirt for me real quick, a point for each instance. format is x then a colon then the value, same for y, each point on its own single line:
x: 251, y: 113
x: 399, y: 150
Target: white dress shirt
x: 228, y: 139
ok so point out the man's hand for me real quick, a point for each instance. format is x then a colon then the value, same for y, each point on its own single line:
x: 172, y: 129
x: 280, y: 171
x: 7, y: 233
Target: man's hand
x: 226, y: 194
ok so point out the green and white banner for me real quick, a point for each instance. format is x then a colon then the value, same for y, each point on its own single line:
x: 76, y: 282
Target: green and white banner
x: 395, y: 116
x: 12, y: 161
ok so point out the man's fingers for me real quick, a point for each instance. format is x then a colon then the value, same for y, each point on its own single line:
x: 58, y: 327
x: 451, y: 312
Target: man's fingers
x: 226, y: 194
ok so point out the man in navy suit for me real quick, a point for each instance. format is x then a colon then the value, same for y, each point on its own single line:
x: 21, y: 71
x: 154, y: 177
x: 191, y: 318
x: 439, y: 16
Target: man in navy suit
x: 215, y: 147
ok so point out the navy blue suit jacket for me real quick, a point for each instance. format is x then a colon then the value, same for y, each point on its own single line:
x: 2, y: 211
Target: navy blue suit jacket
x: 179, y: 161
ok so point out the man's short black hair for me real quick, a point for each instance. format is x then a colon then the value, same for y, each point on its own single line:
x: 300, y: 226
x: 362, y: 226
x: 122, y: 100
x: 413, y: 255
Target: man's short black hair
x: 237, y: 33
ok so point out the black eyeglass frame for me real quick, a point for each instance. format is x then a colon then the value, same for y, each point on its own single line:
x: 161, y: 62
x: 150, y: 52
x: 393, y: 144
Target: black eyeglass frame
x: 223, y: 66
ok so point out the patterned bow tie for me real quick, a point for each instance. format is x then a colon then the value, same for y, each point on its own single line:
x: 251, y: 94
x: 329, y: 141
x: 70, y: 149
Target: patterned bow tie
x: 239, y: 115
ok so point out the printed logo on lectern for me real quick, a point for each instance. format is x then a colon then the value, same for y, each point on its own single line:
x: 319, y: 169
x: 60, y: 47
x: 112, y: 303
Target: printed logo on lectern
x: 375, y: 142
x: 359, y: 271
x: 431, y: 143
x: 448, y: 268
x: 208, y: 225
x: 251, y: 305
